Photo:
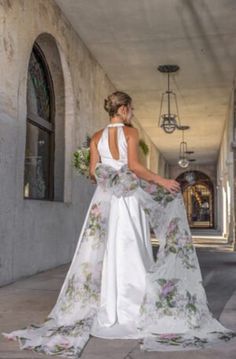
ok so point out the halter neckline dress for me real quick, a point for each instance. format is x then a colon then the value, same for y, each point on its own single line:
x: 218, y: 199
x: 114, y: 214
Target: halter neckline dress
x: 128, y: 255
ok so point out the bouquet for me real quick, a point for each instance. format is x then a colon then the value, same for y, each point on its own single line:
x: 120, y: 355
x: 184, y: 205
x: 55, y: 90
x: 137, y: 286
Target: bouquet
x: 81, y: 158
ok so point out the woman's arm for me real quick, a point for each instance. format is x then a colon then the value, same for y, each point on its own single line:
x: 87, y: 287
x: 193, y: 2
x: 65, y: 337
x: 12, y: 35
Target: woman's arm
x: 140, y: 170
x: 94, y: 156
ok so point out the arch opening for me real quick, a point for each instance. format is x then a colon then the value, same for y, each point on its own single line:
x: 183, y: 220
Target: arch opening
x: 198, y: 194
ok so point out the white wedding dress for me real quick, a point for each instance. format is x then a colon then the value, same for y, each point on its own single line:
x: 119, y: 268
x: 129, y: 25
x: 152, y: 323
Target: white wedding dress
x: 114, y: 288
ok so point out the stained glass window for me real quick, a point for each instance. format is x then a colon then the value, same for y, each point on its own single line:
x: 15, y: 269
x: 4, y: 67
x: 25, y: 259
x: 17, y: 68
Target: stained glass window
x: 39, y: 150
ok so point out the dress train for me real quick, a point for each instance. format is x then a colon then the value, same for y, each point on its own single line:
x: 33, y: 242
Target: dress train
x: 114, y: 288
x: 166, y: 308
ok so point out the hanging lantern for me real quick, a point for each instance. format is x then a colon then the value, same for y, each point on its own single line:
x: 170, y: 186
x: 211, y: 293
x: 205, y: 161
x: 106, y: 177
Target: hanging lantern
x: 168, y: 117
x: 183, y: 161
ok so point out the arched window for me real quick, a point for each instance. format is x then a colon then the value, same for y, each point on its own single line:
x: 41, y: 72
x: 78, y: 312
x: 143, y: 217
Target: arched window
x: 40, y: 132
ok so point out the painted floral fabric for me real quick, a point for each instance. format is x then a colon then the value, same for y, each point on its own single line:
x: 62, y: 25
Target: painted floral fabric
x: 174, y: 313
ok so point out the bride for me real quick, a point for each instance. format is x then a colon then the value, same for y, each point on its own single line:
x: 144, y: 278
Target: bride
x: 114, y: 288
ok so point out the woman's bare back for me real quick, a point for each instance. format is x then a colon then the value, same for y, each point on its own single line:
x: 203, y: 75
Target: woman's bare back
x: 113, y: 139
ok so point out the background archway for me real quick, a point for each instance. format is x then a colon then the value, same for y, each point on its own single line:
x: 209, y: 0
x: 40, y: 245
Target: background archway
x: 198, y: 194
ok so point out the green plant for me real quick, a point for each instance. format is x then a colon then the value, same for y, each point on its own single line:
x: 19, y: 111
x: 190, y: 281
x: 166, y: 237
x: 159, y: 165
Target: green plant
x: 144, y: 147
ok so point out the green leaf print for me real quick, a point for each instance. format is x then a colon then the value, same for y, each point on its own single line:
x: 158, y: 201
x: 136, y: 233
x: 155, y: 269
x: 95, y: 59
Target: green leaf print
x: 82, y: 288
x: 96, y: 226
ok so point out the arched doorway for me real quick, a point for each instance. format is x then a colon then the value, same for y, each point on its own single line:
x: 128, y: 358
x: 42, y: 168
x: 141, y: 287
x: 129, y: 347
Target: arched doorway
x: 198, y: 194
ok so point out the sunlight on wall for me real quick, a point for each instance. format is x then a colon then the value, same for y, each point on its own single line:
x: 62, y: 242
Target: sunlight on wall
x: 224, y: 210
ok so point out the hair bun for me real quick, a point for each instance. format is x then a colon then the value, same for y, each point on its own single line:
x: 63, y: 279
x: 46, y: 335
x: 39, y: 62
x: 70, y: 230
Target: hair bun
x: 107, y: 105
x: 115, y: 100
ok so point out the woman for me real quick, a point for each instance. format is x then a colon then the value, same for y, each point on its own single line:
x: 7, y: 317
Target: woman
x: 120, y: 110
x: 114, y: 288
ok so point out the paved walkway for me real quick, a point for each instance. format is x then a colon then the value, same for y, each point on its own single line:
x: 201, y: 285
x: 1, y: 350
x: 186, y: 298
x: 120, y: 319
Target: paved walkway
x: 30, y: 300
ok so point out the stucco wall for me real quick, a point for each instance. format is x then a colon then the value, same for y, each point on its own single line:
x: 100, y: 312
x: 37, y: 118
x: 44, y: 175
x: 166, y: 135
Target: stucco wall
x: 154, y: 160
x: 37, y: 235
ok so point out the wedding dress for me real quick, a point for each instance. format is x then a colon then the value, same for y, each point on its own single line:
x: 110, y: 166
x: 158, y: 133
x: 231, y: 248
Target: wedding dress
x: 114, y: 288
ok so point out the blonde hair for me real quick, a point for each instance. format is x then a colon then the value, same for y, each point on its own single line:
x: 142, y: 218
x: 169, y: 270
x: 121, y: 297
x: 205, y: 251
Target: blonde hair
x: 115, y: 100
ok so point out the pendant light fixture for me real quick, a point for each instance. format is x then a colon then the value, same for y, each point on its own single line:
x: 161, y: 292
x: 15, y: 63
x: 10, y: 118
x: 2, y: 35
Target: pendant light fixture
x: 183, y: 150
x: 183, y: 161
x: 169, y: 119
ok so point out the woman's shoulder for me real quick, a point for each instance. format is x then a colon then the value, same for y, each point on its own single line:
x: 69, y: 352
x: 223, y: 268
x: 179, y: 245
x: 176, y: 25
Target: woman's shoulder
x: 131, y: 131
x: 97, y: 135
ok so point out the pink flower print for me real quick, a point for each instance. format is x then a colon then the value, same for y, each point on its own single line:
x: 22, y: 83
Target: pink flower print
x: 10, y: 336
x: 184, y: 241
x: 151, y: 188
x: 65, y: 344
x: 172, y: 226
x: 105, y: 176
x: 95, y: 210
x: 167, y: 288
x: 168, y: 336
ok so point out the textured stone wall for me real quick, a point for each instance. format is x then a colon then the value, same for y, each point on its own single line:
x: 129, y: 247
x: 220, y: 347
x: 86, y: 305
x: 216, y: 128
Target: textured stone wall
x: 37, y: 235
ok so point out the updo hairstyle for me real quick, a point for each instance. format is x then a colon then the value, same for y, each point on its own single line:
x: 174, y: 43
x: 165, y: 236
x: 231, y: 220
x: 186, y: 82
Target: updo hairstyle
x: 115, y: 100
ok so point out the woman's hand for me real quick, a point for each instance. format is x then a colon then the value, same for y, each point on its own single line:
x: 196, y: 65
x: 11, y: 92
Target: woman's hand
x: 93, y: 178
x: 170, y: 184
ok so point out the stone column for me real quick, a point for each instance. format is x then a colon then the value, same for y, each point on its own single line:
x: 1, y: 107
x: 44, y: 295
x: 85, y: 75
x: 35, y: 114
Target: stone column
x: 233, y: 147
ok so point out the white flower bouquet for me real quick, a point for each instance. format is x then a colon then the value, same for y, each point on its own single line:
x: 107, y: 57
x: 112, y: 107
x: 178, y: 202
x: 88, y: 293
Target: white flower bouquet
x: 81, y: 158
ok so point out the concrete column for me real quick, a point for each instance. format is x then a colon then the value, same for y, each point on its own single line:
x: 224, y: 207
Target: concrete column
x: 233, y: 146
